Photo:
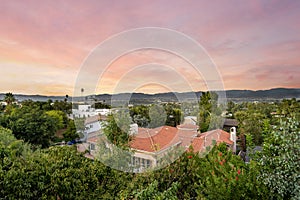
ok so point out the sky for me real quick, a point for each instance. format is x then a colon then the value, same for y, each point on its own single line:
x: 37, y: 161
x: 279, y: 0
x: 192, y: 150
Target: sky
x: 45, y: 46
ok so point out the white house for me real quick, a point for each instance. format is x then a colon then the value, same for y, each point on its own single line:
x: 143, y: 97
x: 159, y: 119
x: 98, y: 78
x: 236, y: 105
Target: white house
x: 92, y: 124
x: 93, y: 127
x: 86, y: 110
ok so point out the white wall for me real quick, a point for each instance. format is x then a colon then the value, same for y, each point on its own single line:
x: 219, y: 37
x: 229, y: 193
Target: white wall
x: 134, y: 128
x: 93, y: 127
x: 85, y: 108
x: 85, y: 111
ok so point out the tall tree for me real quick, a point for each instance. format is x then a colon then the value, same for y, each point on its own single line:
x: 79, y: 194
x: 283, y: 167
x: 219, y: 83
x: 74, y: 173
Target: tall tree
x: 71, y: 132
x: 209, y: 116
x: 32, y: 125
x: 157, y: 115
x: 9, y: 98
x: 117, y: 128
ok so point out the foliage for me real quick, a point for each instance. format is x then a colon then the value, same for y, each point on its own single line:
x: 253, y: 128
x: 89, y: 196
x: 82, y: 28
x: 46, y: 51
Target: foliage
x: 279, y: 160
x: 58, y: 117
x: 152, y: 192
x: 31, y: 125
x: 257, y: 118
x: 71, y: 132
x: 59, y: 173
x: 117, y: 129
x: 63, y: 173
x: 100, y: 105
x: 157, y: 115
x: 79, y: 122
x: 218, y: 175
x: 9, y: 98
x: 35, y: 122
x: 174, y: 115
x: 6, y: 136
x: 114, y: 156
x: 209, y: 116
x: 251, y: 123
x: 63, y: 106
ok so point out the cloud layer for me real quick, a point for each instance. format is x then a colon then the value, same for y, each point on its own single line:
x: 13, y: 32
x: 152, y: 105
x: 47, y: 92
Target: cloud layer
x: 254, y: 44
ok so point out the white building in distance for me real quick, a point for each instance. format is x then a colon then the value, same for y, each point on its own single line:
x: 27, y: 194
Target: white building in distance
x: 86, y: 110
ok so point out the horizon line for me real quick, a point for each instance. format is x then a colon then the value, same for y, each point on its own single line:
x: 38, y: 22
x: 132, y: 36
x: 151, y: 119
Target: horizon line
x: 46, y: 95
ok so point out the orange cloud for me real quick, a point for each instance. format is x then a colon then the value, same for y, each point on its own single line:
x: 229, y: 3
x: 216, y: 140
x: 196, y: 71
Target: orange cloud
x: 254, y: 44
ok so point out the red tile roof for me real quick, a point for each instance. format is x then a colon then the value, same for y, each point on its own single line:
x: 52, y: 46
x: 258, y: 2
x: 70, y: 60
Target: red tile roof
x: 161, y: 138
x: 186, y: 137
x: 206, y: 139
x: 93, y: 140
x: 152, y: 140
x: 197, y: 144
x: 92, y: 119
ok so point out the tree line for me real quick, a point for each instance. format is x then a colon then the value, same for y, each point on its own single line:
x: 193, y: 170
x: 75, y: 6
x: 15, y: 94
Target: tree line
x: 38, y: 122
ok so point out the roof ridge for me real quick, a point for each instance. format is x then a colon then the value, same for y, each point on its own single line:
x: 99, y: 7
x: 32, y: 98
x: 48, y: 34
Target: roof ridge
x: 151, y: 140
x: 176, y: 136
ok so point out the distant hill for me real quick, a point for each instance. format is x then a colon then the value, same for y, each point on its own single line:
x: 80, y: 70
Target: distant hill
x: 23, y: 97
x: 276, y: 93
x: 233, y: 95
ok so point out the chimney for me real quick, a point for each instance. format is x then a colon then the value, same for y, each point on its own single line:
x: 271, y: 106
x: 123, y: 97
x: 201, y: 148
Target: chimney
x: 133, y: 129
x: 233, y: 138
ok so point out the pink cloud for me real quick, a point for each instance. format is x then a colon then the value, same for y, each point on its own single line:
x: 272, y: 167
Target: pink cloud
x: 239, y: 36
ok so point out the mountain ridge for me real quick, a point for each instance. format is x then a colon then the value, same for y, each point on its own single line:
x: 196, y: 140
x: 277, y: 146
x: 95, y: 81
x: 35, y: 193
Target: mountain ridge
x: 235, y: 95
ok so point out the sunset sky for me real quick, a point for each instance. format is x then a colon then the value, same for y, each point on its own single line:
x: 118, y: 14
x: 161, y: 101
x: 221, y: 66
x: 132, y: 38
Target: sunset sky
x: 43, y: 44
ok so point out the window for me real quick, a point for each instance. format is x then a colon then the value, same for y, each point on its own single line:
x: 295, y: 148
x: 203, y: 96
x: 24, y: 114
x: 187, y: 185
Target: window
x: 148, y: 163
x: 141, y: 162
x: 92, y: 147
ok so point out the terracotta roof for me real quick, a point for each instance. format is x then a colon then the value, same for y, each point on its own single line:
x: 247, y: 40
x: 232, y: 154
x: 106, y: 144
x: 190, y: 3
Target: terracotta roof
x: 92, y: 119
x: 206, y: 139
x: 186, y: 137
x: 93, y: 140
x: 157, y: 139
x: 103, y: 117
x: 197, y: 144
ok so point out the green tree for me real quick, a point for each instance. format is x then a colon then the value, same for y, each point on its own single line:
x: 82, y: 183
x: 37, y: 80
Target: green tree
x: 140, y: 120
x: 9, y: 98
x: 58, y: 117
x: 32, y: 125
x: 64, y: 106
x: 279, y: 160
x: 157, y: 115
x: 209, y: 116
x: 100, y: 105
x: 71, y: 132
x: 80, y: 124
x: 117, y: 129
x: 174, y: 114
x: 251, y: 122
x: 59, y: 173
x: 152, y: 192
